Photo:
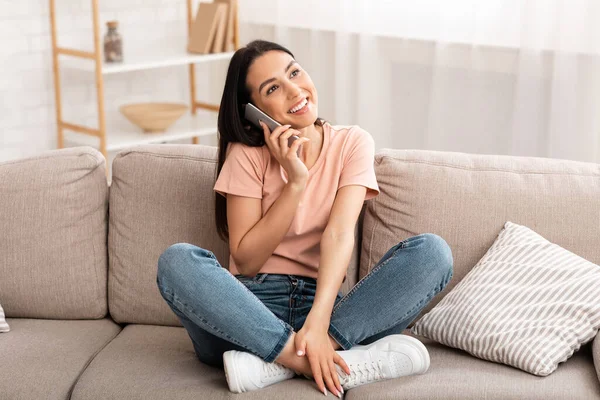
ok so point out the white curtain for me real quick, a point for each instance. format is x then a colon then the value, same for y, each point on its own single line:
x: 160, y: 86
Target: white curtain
x: 518, y: 77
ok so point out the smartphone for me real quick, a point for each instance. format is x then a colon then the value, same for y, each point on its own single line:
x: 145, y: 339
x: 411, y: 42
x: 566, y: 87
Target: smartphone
x: 253, y: 114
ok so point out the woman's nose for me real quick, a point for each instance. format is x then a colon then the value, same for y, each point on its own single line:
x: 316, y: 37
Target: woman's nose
x: 294, y: 91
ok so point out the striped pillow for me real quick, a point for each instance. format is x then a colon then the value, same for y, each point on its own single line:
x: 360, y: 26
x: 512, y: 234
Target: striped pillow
x: 527, y: 303
x: 3, y: 325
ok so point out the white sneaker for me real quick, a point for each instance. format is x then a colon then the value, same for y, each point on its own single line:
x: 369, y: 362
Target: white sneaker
x: 390, y: 357
x: 245, y: 372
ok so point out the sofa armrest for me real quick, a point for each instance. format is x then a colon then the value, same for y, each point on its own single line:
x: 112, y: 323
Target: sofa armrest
x: 596, y: 353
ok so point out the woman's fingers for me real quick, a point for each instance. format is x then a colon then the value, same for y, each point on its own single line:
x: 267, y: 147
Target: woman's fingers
x: 278, y: 131
x: 273, y: 136
x: 267, y: 134
x: 334, y: 376
x: 341, y: 362
x: 327, y: 377
x: 265, y: 129
x: 276, y: 140
x: 284, y: 141
x: 316, y: 371
x: 297, y: 143
x: 283, y: 138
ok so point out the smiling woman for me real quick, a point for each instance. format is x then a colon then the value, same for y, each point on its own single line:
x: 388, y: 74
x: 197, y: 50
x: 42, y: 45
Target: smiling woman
x: 289, y: 220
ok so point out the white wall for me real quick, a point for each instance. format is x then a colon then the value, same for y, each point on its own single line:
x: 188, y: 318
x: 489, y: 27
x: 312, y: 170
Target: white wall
x: 420, y: 101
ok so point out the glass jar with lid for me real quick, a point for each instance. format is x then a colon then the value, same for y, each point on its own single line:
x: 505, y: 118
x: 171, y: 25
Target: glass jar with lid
x: 113, y: 43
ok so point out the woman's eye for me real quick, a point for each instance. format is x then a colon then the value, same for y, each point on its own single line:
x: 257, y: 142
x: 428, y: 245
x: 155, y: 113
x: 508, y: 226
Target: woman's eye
x: 271, y: 89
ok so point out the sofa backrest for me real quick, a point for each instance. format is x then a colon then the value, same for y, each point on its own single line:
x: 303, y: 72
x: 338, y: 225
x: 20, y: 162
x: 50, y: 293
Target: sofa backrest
x: 467, y: 198
x: 54, y: 219
x: 161, y: 195
x: 53, y: 227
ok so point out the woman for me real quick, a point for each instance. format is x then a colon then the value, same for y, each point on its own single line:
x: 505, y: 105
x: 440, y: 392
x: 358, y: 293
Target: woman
x: 289, y: 219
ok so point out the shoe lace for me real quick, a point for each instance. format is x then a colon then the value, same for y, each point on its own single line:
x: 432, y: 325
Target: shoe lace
x: 273, y: 369
x: 363, y: 373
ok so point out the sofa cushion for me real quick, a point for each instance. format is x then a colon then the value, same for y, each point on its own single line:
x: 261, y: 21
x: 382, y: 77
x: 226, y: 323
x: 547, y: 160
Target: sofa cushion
x: 161, y: 195
x: 42, y: 359
x: 456, y: 375
x: 158, y: 362
x: 467, y: 198
x: 53, y: 218
x: 527, y: 303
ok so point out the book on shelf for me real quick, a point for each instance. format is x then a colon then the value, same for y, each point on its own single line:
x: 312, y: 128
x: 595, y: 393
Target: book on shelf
x: 218, y: 43
x: 231, y: 20
x: 207, y: 26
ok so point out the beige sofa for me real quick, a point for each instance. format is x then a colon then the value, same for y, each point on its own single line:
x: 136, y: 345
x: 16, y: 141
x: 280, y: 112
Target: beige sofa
x: 78, y: 262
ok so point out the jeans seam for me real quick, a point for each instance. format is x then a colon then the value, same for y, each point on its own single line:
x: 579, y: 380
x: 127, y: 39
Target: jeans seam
x: 292, y: 305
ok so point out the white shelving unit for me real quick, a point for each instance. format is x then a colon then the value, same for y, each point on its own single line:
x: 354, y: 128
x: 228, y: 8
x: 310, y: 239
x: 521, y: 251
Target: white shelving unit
x: 123, y: 134
x: 164, y: 57
x: 117, y: 132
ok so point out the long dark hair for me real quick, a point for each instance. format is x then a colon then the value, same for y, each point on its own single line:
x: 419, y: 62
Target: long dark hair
x: 231, y: 125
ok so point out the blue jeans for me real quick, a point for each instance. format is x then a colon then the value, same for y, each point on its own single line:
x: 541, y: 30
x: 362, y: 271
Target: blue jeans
x: 224, y: 312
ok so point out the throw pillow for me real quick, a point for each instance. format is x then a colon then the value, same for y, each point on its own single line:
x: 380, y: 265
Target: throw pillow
x: 528, y: 303
x: 3, y: 325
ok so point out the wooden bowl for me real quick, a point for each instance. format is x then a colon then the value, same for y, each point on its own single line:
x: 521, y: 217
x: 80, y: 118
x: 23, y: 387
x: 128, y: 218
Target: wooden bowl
x: 153, y: 117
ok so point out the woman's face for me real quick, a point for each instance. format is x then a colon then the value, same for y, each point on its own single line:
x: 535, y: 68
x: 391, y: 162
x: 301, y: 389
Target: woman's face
x: 281, y: 88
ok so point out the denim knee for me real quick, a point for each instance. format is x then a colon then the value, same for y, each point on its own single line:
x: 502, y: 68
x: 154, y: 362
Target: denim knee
x: 177, y: 256
x: 439, y: 250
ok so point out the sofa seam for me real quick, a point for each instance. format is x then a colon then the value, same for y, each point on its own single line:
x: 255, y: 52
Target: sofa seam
x: 98, y: 162
x: 148, y: 153
x: 104, y: 234
x: 487, y: 169
x: 92, y: 358
x: 95, y: 262
x: 108, y: 258
x: 45, y: 157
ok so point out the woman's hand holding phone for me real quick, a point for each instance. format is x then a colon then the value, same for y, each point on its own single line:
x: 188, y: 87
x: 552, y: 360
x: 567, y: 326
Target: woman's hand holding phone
x: 277, y: 142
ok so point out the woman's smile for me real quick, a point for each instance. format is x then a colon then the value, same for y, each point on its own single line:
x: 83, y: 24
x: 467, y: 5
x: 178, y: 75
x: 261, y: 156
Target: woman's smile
x: 301, y: 107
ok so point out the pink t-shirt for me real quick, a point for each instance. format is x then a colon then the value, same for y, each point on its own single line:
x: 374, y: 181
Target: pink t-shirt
x: 347, y: 158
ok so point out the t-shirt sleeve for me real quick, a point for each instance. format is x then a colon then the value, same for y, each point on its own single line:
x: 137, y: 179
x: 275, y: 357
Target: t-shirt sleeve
x: 359, y: 163
x: 242, y: 172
